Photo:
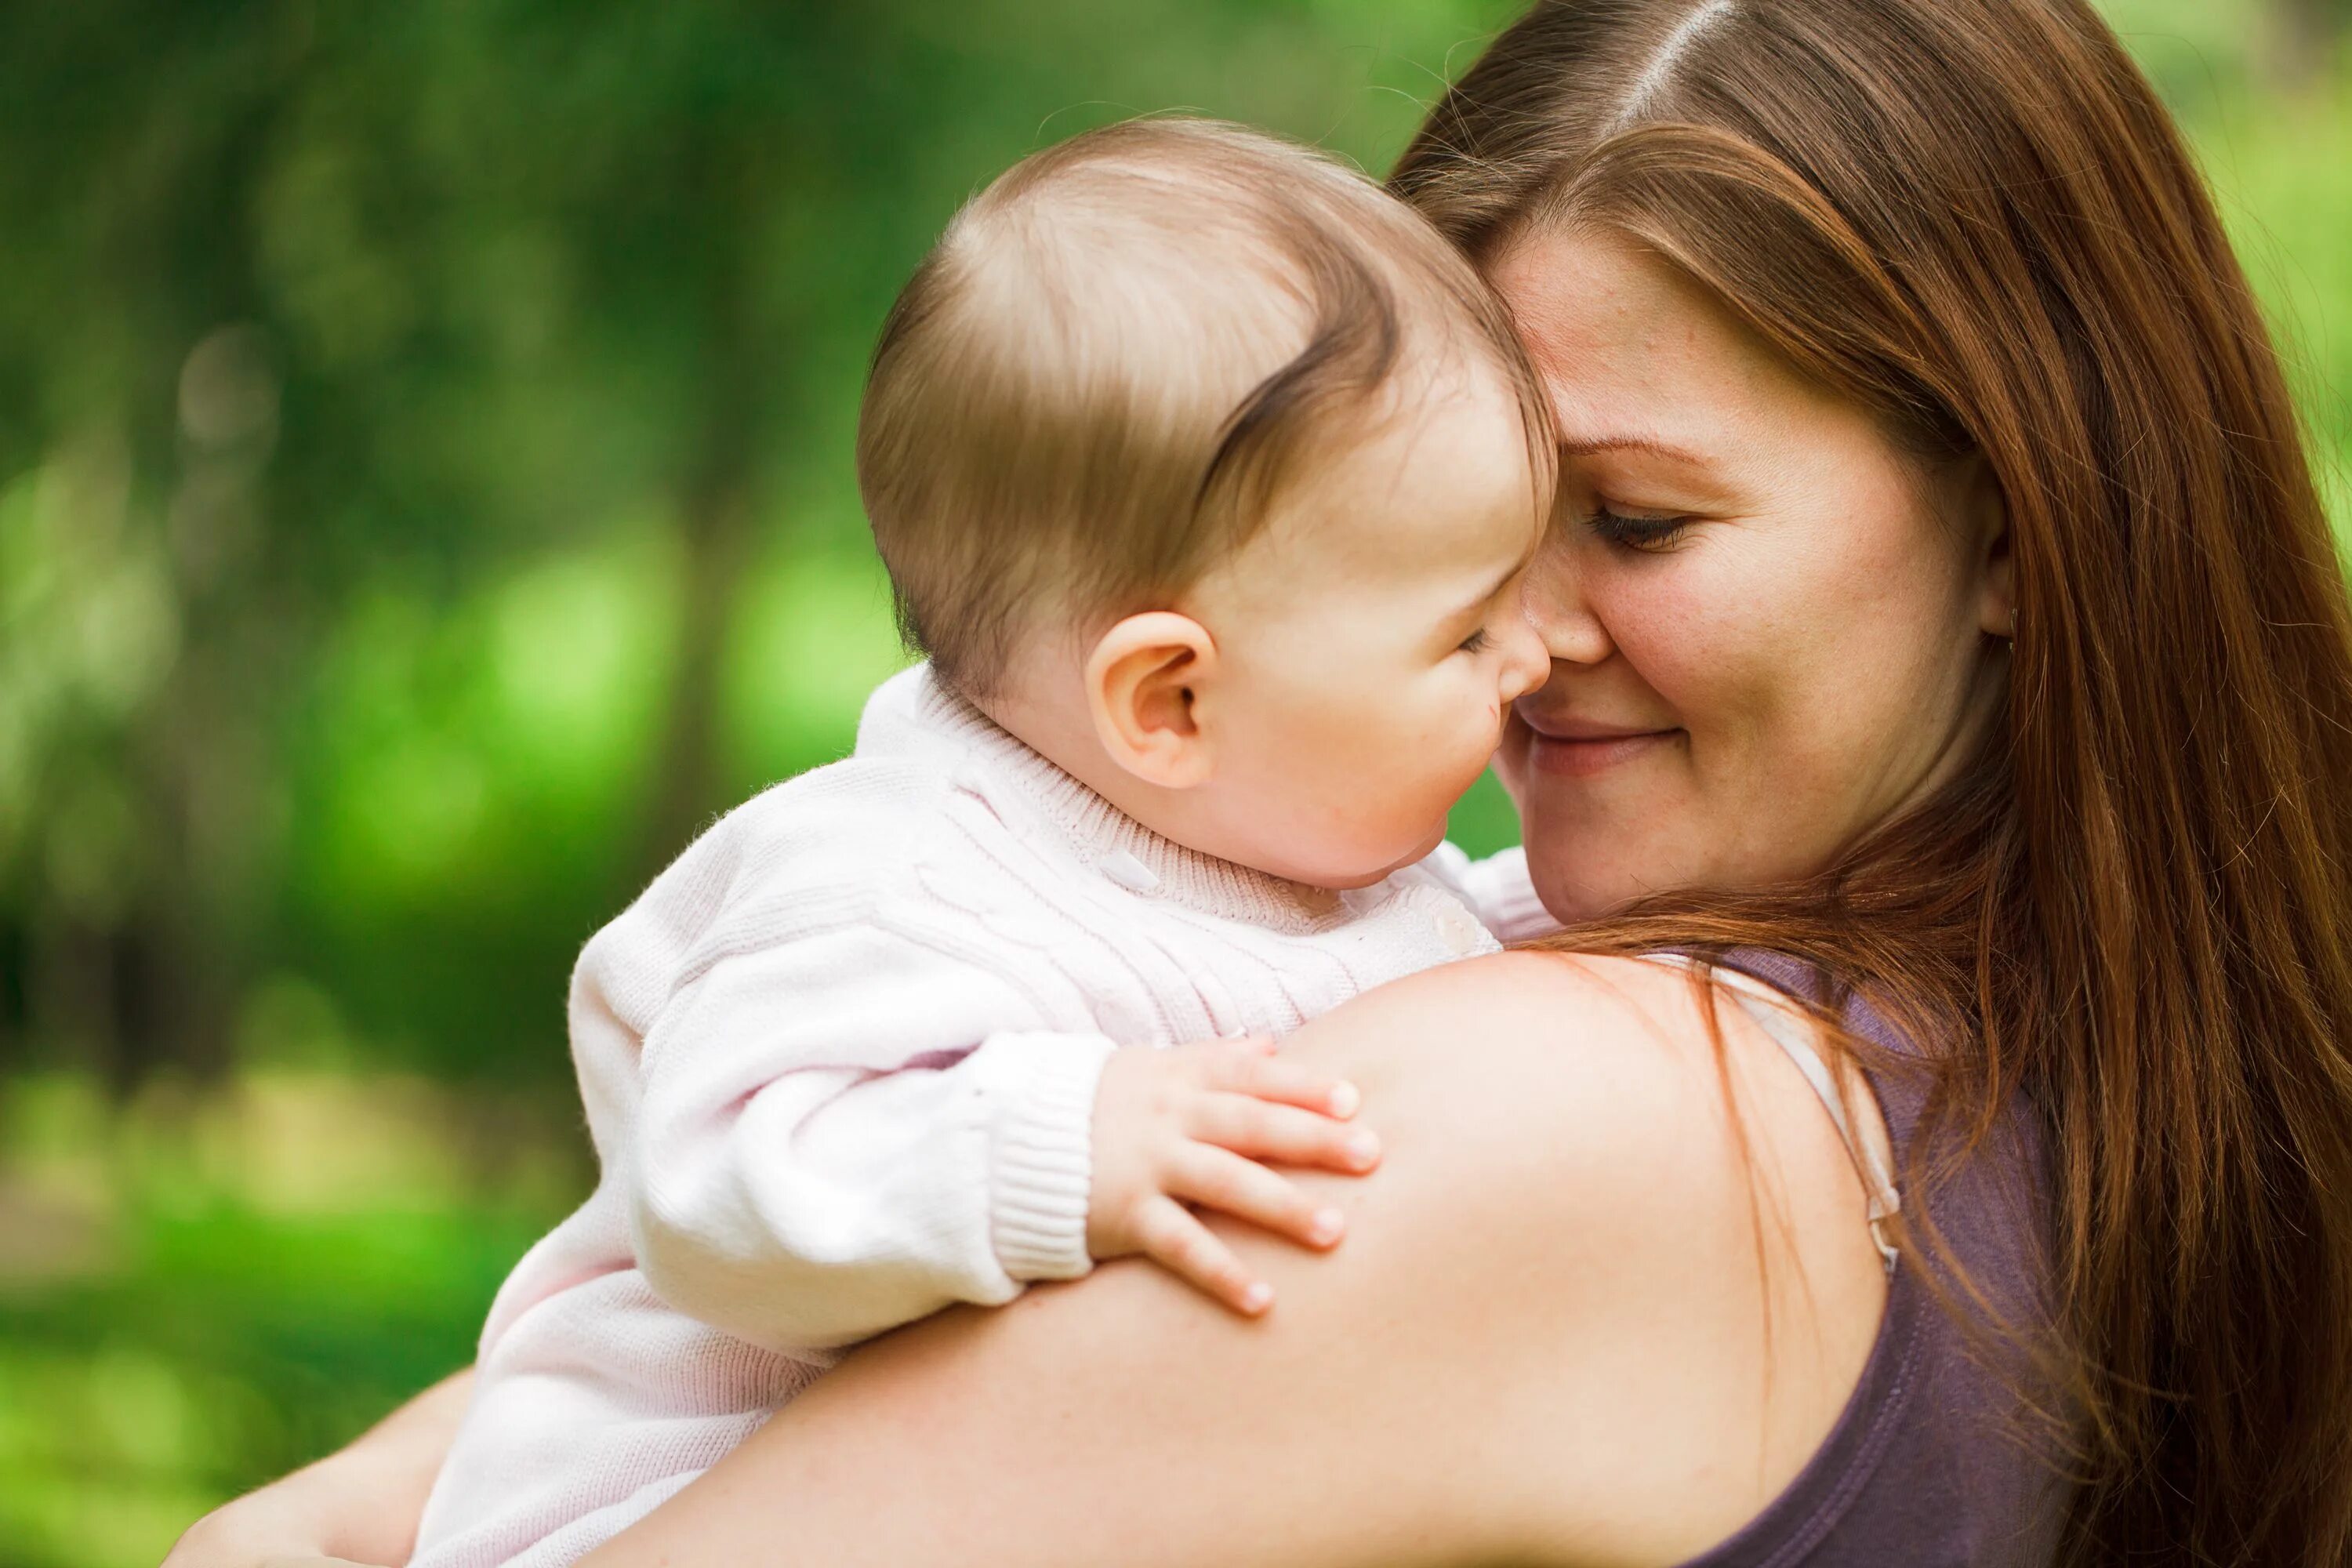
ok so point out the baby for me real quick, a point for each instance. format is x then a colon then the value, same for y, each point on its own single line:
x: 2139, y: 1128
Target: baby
x: 1206, y: 474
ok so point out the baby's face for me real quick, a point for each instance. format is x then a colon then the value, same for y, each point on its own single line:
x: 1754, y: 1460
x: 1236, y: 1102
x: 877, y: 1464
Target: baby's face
x: 1371, y: 640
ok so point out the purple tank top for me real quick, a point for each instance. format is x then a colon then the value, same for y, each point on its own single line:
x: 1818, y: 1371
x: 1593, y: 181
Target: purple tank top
x: 1932, y: 1464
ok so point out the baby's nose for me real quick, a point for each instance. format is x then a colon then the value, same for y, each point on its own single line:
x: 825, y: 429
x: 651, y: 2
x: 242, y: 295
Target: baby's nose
x: 1527, y: 663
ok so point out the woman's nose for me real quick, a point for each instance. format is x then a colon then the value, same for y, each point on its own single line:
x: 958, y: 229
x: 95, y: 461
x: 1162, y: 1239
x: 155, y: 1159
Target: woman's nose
x: 1571, y: 633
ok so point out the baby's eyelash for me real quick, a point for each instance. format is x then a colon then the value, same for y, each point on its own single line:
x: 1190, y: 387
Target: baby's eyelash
x: 1635, y: 532
x: 1475, y: 642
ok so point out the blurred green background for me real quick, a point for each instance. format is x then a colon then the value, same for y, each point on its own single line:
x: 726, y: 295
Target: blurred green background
x: 425, y: 496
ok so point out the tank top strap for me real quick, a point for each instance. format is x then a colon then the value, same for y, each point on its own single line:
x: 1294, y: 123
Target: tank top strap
x: 1797, y: 1034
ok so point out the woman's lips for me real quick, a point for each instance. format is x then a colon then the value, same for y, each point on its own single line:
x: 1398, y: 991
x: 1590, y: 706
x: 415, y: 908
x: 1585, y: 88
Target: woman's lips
x: 1579, y: 749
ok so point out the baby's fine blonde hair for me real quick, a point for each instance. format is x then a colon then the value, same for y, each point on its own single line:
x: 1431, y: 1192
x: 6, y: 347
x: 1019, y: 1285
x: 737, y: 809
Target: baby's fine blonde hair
x: 1103, y: 374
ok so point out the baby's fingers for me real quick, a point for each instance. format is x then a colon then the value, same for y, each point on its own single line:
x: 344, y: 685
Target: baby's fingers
x: 1181, y: 1244
x: 1263, y: 1077
x: 1221, y: 1180
x: 1283, y: 1134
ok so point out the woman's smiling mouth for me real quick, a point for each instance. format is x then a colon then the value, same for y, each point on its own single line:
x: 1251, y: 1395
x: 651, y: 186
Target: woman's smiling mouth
x: 1570, y: 747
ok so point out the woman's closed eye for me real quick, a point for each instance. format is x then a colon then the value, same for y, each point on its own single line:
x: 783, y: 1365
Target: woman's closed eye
x: 1637, y: 530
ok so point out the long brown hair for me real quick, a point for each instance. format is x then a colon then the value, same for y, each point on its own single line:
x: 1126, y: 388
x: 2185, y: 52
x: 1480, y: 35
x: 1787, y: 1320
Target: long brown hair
x: 2135, y: 909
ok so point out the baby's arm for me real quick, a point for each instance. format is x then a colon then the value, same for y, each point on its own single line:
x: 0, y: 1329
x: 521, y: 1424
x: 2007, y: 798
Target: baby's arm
x: 846, y: 1130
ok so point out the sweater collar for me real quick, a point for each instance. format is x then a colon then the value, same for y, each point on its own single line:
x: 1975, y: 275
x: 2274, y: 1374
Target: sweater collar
x: 914, y: 712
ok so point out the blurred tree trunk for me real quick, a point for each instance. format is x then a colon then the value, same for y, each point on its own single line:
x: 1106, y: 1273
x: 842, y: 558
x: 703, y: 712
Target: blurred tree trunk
x: 177, y: 958
x: 2305, y: 40
x: 715, y: 502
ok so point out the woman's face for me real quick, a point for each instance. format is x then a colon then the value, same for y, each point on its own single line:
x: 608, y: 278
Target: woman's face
x: 1770, y: 631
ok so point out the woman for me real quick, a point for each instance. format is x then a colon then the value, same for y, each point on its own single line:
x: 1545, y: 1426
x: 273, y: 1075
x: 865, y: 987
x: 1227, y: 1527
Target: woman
x: 1943, y: 629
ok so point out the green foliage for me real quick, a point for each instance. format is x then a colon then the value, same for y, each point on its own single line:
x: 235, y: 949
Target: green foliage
x: 199, y: 1291
x: 424, y: 456
x: 424, y: 499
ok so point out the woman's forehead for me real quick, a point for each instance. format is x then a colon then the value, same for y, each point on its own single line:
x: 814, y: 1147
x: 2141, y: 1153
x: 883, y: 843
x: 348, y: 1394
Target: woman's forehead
x: 1628, y: 346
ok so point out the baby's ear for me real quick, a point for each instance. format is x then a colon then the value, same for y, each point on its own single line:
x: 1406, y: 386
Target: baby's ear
x: 1144, y: 682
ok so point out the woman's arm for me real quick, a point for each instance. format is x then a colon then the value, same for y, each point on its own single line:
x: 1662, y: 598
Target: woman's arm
x: 360, y: 1504
x: 1543, y: 1340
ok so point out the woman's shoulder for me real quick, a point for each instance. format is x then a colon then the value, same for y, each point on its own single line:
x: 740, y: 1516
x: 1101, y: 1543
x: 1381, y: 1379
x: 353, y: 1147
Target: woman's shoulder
x: 1501, y: 995
x: 1532, y: 986
x: 1646, y: 1086
x: 1626, y: 1053
x: 1648, y: 1202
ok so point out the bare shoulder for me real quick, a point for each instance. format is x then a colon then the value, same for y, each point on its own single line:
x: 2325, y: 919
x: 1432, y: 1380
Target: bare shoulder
x: 1631, y: 1181
x: 1498, y: 998
x: 1595, y: 1053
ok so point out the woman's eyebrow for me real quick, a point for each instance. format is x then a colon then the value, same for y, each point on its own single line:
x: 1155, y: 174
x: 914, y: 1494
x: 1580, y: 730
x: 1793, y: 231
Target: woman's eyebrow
x: 1586, y: 447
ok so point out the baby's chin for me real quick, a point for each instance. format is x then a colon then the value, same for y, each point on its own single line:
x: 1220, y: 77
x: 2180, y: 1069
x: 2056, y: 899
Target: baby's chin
x: 1337, y: 871
x: 1422, y: 851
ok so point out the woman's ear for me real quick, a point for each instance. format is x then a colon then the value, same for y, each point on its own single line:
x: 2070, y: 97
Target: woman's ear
x: 1985, y: 514
x: 1144, y: 686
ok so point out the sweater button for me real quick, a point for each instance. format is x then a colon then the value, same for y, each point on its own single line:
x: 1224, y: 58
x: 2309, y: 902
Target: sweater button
x: 1127, y: 871
x: 1460, y: 932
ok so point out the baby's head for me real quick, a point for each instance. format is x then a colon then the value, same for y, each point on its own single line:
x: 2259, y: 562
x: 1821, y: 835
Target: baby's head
x: 1211, y: 471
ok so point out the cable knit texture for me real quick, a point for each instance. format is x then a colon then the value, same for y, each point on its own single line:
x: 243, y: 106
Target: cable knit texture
x: 839, y: 1065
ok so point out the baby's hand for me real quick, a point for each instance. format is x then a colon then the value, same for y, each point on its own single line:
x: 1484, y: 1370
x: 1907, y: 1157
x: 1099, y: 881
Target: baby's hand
x: 1188, y: 1126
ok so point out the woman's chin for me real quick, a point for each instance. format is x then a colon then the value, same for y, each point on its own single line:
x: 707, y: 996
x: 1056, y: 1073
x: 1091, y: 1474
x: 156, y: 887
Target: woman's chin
x: 1574, y: 895
x: 1577, y: 884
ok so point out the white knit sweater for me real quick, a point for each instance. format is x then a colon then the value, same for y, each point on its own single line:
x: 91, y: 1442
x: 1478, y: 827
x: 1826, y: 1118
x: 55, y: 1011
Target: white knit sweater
x: 839, y: 1063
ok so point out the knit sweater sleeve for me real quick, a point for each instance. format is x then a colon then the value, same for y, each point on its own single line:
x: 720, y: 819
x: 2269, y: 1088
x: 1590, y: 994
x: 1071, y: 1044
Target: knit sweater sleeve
x: 845, y: 1129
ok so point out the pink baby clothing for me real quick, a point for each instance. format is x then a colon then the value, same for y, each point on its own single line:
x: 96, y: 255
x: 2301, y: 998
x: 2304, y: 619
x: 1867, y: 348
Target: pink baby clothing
x: 839, y: 1063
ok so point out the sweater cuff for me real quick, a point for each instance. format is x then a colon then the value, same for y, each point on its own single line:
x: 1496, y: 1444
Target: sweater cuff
x: 1041, y: 1166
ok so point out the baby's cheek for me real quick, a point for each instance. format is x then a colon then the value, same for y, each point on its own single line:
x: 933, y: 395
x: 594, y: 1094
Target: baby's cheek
x: 1431, y: 746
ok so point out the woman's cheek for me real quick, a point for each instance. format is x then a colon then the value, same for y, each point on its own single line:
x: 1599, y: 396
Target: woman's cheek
x: 1737, y: 694
x: 1686, y: 665
x: 1510, y: 758
x: 1724, y: 630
